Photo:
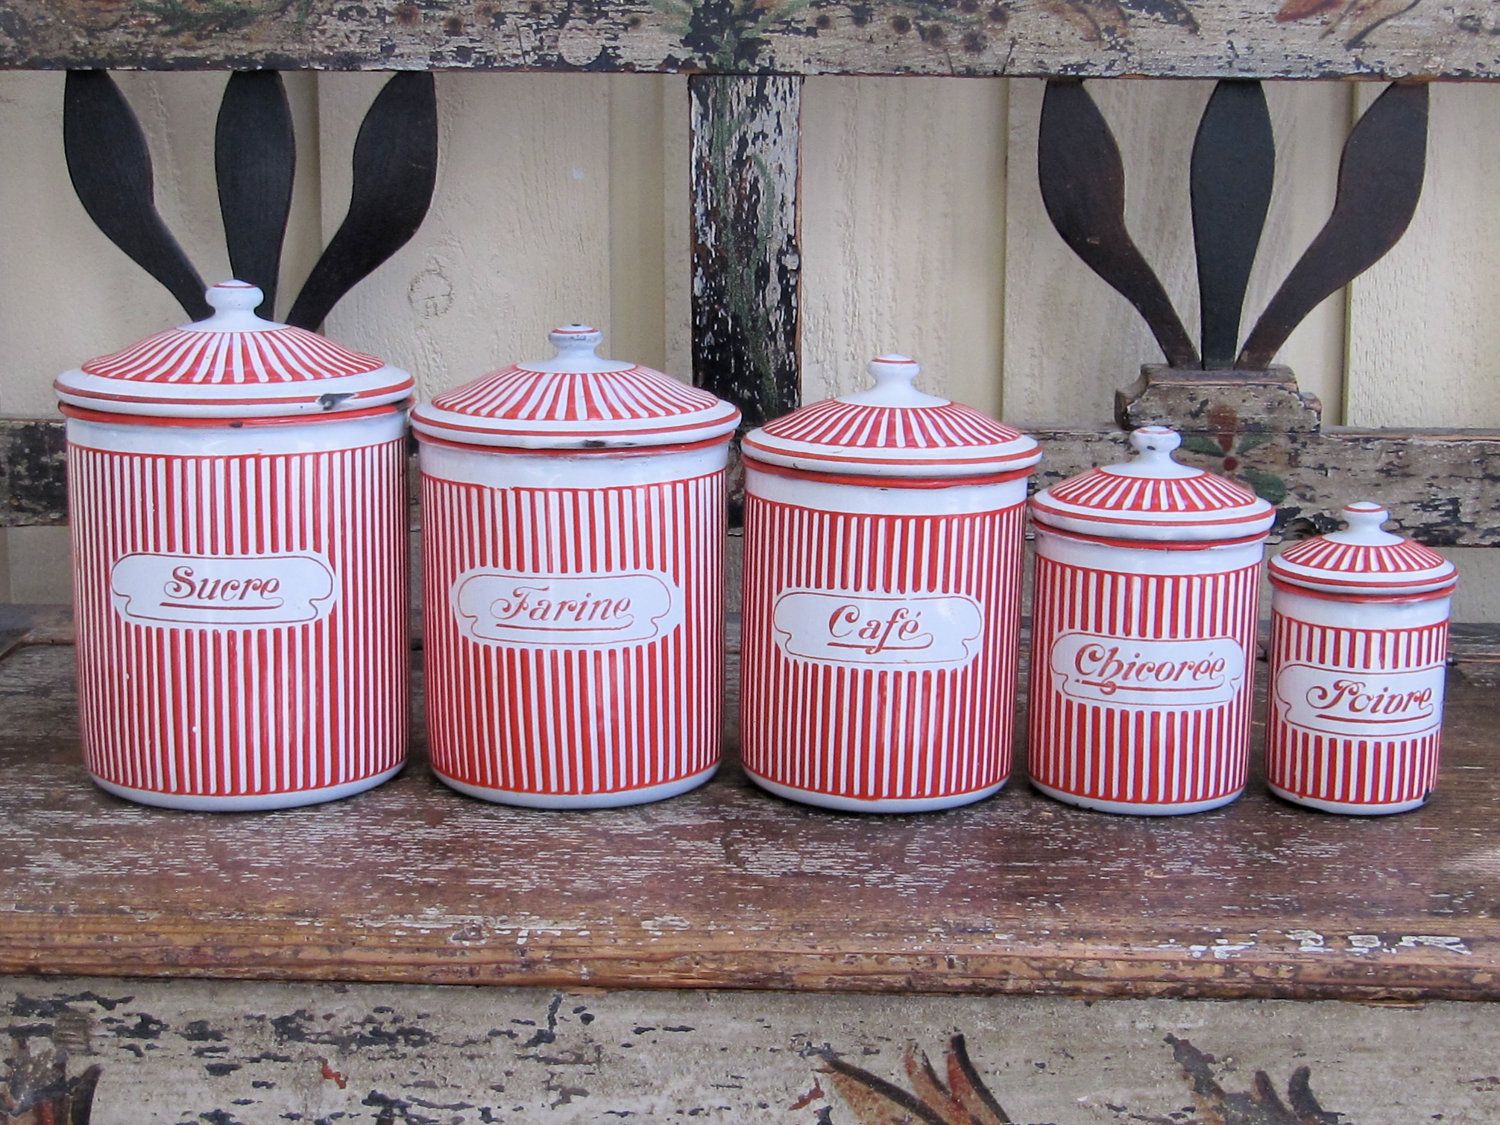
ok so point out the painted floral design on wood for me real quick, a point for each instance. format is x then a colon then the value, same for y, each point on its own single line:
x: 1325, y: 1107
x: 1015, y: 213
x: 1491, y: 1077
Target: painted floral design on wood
x: 960, y: 1096
x: 1353, y: 21
x: 35, y: 1088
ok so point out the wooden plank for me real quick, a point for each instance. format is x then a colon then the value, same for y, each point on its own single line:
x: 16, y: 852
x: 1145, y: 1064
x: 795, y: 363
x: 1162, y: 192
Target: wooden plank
x: 1175, y: 38
x: 1440, y: 485
x: 747, y: 259
x: 254, y: 1052
x: 33, y: 472
x: 904, y: 233
x: 729, y: 888
x: 1423, y: 337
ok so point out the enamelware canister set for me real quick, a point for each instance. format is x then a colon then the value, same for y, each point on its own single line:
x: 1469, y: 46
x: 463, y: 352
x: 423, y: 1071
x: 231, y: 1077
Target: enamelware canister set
x: 238, y: 504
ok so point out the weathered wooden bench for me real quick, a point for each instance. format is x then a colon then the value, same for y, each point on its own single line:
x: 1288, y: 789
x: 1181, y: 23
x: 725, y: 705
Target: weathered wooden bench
x: 725, y: 889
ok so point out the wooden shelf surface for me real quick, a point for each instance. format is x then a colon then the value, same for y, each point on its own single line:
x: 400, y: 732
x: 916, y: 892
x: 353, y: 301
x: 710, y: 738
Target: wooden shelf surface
x: 727, y: 888
x: 1173, y: 38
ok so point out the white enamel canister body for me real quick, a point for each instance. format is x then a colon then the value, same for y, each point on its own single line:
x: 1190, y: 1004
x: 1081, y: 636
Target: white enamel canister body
x: 240, y: 575
x: 882, y: 585
x: 1143, y: 635
x: 573, y: 567
x: 1359, y: 647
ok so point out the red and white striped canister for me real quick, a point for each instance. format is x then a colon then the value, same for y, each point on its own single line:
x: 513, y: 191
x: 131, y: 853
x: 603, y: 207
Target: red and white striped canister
x: 882, y: 599
x: 573, y: 514
x: 1359, y: 646
x: 237, y: 494
x: 1143, y: 634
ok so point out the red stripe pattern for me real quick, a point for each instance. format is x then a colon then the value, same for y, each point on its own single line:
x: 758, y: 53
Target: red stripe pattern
x: 242, y: 626
x: 1352, y: 559
x: 830, y: 702
x: 863, y: 426
x: 521, y: 395
x: 206, y: 358
x: 1118, y: 492
x: 1141, y: 684
x: 533, y: 702
x: 1355, y: 714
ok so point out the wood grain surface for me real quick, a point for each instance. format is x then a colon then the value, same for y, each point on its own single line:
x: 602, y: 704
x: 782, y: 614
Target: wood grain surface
x: 729, y: 888
x: 251, y: 1053
x: 1247, y: 38
x: 746, y: 260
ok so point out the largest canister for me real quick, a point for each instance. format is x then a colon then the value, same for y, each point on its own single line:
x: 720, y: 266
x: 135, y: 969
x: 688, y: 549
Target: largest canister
x: 237, y: 493
x: 882, y: 605
x: 573, y: 517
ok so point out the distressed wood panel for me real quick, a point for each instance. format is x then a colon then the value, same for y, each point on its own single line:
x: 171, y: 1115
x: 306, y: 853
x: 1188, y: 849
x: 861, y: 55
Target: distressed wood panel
x: 1070, y: 340
x: 745, y: 137
x: 33, y: 472
x: 641, y: 115
x: 1439, y: 484
x: 1020, y: 37
x: 747, y: 258
x: 1424, y: 341
x: 904, y: 233
x: 729, y: 888
x: 250, y: 1052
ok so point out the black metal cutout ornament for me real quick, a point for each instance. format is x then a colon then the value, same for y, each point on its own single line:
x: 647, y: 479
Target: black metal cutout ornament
x: 1233, y: 161
x: 395, y: 172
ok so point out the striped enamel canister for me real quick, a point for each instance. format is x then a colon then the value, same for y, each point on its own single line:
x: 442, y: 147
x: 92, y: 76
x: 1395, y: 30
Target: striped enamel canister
x: 882, y: 598
x: 1143, y: 634
x: 1359, y: 643
x: 237, y: 491
x: 573, y: 566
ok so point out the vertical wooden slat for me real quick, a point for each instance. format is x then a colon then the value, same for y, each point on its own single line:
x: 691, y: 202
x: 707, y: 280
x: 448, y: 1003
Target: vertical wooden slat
x: 903, y: 232
x: 1423, y: 335
x: 637, y: 235
x: 747, y: 259
x: 510, y: 248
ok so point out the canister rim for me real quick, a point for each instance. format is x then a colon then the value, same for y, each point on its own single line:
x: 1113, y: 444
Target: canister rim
x: 1364, y: 559
x: 1154, y: 499
x: 1016, y: 456
x: 841, y: 473
x: 892, y: 430
x: 199, y: 419
x: 715, y: 424
x: 321, y: 397
x: 1384, y: 596
x: 232, y: 364
x: 576, y: 401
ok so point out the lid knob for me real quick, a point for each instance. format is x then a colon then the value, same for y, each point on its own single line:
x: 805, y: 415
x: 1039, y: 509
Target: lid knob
x: 576, y: 339
x: 1154, y: 444
x: 1365, y: 515
x: 892, y: 370
x: 234, y: 296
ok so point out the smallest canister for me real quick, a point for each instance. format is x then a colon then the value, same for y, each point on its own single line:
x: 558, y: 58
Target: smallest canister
x: 1359, y: 643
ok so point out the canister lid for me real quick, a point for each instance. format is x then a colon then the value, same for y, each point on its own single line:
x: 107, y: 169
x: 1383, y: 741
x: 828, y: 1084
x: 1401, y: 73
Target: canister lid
x: 1364, y: 560
x: 576, y: 400
x: 1154, y: 497
x: 893, y: 429
x: 233, y: 364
